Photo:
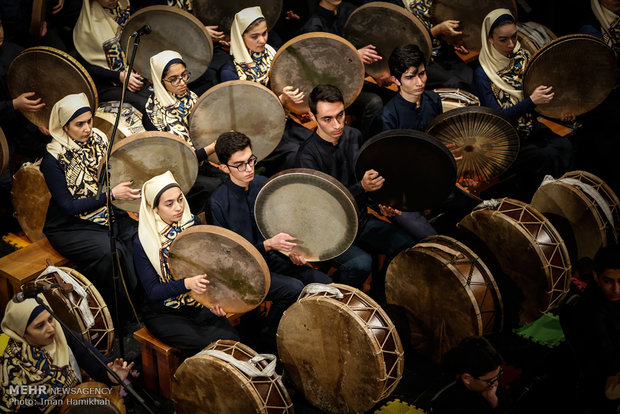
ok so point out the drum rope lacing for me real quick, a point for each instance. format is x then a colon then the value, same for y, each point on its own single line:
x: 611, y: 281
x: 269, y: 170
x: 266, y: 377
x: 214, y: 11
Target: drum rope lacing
x: 249, y: 367
x: 87, y: 314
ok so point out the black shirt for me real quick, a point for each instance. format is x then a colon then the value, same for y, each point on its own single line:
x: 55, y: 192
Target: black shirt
x: 323, y: 20
x: 399, y: 113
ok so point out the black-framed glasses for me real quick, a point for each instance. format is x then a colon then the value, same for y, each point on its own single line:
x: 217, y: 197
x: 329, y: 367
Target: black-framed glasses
x: 176, y: 80
x: 491, y: 381
x: 244, y: 165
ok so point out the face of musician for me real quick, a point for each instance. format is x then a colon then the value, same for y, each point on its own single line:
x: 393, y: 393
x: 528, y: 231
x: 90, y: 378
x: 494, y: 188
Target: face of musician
x: 611, y: 5
x: 80, y: 128
x: 41, y: 330
x: 330, y: 120
x: 609, y: 283
x: 504, y: 38
x: 412, y: 83
x: 108, y: 4
x: 171, y: 205
x: 175, y: 80
x: 484, y: 382
x: 255, y: 37
x: 330, y: 4
x: 245, y: 160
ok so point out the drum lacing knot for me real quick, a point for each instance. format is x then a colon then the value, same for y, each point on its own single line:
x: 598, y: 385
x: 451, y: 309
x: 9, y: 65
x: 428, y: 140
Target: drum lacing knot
x: 249, y: 367
x: 315, y: 288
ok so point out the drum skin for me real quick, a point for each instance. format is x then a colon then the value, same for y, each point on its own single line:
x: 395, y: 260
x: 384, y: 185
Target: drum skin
x: 99, y: 403
x: 30, y: 197
x: 222, y: 13
x: 238, y: 275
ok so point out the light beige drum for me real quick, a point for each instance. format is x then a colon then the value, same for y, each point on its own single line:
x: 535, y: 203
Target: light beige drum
x: 130, y: 122
x: 30, y: 197
x: 452, y: 98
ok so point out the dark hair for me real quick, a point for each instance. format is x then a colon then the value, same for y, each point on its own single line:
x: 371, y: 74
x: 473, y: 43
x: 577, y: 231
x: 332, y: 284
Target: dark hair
x: 163, y: 190
x: 326, y: 93
x: 405, y: 57
x: 77, y: 113
x: 474, y: 355
x: 167, y: 67
x: 230, y: 142
x: 253, y: 25
x: 502, y: 20
x: 607, y: 258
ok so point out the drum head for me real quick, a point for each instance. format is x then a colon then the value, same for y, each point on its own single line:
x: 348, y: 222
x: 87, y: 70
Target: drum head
x: 311, y: 206
x: 419, y: 170
x: 51, y: 74
x: 171, y: 29
x: 147, y: 154
x: 129, y: 124
x: 222, y: 14
x: 30, y: 197
x: 242, y: 106
x: 488, y: 138
x: 4, y: 151
x: 566, y: 64
x: 470, y: 14
x: 385, y: 26
x: 238, y: 274
x: 314, y: 58
x: 456, y: 295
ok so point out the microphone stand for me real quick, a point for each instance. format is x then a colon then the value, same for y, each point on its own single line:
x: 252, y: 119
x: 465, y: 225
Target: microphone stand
x: 114, y: 375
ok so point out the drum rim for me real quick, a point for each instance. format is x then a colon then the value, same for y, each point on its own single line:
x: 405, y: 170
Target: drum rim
x: 469, y: 95
x: 4, y: 151
x: 38, y: 16
x: 602, y: 188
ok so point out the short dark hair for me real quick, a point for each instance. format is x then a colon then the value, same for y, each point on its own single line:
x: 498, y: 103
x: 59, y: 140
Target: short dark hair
x: 230, y: 142
x: 607, y: 258
x: 474, y: 355
x: 326, y: 93
x: 405, y: 57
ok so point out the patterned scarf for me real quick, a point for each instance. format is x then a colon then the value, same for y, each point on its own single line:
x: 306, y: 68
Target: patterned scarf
x: 422, y: 10
x: 113, y: 49
x: 258, y: 70
x: 610, y: 25
x: 80, y: 167
x: 174, y: 118
x: 182, y: 4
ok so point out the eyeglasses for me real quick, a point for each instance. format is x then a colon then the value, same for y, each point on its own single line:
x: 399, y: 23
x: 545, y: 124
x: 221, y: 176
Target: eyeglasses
x: 491, y: 381
x: 243, y: 166
x: 176, y: 80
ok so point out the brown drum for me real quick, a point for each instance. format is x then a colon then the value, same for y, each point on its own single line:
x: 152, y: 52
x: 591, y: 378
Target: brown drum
x: 130, y: 122
x: 311, y: 206
x: 314, y: 58
x: 385, y: 26
x: 242, y: 106
x: 455, y: 294
x: 452, y: 98
x: 39, y: 8
x: 51, y: 74
x: 532, y: 36
x: 578, y: 56
x: 419, y: 170
x: 471, y: 14
x: 582, y: 215
x: 30, y: 197
x: 95, y: 398
x: 229, y: 377
x: 171, y: 29
x: 147, y: 154
x: 4, y: 152
x: 83, y: 309
x: 238, y: 274
x: 488, y: 138
x: 340, y: 349
x: 528, y: 250
x: 222, y: 13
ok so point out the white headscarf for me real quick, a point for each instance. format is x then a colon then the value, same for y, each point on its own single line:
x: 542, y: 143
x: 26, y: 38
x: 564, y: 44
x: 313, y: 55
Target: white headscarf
x: 491, y: 60
x: 150, y: 225
x: 606, y: 18
x: 158, y: 64
x: 242, y: 20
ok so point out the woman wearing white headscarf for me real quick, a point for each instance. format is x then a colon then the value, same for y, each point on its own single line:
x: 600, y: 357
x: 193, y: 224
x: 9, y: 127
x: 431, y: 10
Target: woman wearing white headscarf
x: 169, y: 312
x: 35, y: 352
x: 604, y: 22
x: 499, y: 84
x: 77, y: 218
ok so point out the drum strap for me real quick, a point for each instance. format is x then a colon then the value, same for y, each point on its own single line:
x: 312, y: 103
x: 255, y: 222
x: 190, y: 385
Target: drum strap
x: 591, y: 191
x: 89, y: 319
x: 315, y: 288
x: 250, y: 367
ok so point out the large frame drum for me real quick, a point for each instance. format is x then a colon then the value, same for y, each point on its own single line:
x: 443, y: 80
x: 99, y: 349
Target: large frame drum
x: 30, y: 198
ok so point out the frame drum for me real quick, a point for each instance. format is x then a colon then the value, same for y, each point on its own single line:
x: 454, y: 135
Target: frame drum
x: 455, y: 294
x: 242, y: 106
x: 172, y: 29
x: 222, y: 13
x: 311, y: 206
x: 147, y: 154
x: 238, y: 275
x: 84, y: 400
x: 419, y: 171
x: 314, y: 58
x: 452, y: 98
x: 208, y: 384
x: 30, y: 197
x: 51, y: 74
x: 130, y: 122
x: 88, y: 315
x: 528, y: 250
x: 4, y: 152
x: 385, y: 26
x: 340, y: 349
x: 532, y: 36
x: 562, y: 63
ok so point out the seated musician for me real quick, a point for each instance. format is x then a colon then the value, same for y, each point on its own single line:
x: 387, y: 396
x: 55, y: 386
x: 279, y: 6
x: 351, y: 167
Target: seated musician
x: 169, y: 312
x: 100, y: 51
x: 77, y: 218
x: 332, y: 149
x: 232, y: 207
x: 35, y: 352
x: 498, y: 81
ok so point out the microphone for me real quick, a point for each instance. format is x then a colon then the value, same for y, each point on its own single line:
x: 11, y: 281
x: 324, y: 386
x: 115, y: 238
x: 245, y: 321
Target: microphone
x: 31, y: 293
x: 144, y: 30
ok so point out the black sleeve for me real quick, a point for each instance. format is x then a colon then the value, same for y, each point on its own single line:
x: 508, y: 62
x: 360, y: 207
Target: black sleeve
x: 99, y: 74
x: 85, y: 360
